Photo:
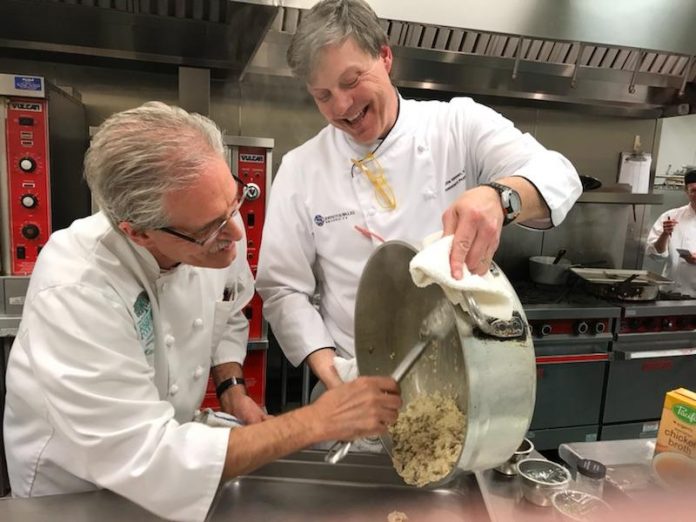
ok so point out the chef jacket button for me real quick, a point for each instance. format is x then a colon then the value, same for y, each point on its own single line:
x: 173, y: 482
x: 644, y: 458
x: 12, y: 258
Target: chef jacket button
x: 420, y: 148
x: 198, y: 322
x: 169, y: 341
x: 173, y: 389
x: 371, y: 212
x: 198, y: 372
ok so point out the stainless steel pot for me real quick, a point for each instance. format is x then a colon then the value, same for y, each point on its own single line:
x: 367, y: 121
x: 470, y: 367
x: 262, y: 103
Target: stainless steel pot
x: 543, y: 270
x: 487, y: 365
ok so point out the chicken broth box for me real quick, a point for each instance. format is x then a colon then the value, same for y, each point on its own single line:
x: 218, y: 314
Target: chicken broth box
x: 677, y: 431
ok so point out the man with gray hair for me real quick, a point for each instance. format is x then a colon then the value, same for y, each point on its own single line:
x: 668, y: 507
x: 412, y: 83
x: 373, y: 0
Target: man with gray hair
x: 126, y: 313
x: 386, y: 168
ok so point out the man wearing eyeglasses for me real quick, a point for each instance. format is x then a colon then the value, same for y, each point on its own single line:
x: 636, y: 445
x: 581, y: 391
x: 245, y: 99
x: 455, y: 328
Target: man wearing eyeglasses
x: 126, y: 313
x: 386, y: 168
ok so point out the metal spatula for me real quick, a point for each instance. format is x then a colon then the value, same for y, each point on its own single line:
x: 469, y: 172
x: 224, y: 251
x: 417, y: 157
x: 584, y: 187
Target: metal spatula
x: 435, y: 326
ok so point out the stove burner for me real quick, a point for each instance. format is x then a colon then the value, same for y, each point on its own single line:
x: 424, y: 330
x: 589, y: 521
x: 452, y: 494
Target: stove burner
x: 538, y: 294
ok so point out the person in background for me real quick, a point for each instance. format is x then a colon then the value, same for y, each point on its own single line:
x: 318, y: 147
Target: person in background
x: 127, y: 311
x: 673, y: 239
x: 385, y: 168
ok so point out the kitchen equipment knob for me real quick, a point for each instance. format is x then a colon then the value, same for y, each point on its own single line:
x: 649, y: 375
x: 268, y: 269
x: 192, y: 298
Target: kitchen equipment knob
x: 253, y: 191
x: 29, y: 201
x: 30, y: 231
x: 581, y: 328
x: 667, y: 324
x: 27, y: 165
x: 599, y: 327
x: 545, y: 329
x: 633, y: 324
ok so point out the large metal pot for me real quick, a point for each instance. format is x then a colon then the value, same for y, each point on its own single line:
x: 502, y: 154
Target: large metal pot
x: 542, y: 269
x: 492, y: 377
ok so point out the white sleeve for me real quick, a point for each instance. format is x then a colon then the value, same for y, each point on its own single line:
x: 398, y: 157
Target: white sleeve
x: 654, y: 235
x: 102, y: 403
x: 500, y: 150
x: 285, y: 278
x: 240, y: 282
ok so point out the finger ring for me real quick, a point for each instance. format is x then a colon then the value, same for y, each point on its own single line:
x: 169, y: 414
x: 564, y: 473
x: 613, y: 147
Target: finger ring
x: 484, y: 260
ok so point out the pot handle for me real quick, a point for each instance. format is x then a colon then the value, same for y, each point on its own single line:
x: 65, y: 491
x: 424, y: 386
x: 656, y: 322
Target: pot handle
x: 493, y: 326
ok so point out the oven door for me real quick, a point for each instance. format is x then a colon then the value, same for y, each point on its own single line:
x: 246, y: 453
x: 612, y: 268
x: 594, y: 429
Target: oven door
x: 643, y: 368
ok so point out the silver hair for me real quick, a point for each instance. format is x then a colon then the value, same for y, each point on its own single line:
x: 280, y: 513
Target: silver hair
x: 331, y: 22
x: 139, y: 155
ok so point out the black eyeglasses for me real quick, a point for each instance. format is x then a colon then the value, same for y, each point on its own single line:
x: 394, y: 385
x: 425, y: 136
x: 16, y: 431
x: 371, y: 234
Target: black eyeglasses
x: 218, y: 227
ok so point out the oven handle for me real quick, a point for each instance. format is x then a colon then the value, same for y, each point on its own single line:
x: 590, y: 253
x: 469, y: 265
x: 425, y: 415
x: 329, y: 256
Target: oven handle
x: 623, y: 355
x: 574, y: 358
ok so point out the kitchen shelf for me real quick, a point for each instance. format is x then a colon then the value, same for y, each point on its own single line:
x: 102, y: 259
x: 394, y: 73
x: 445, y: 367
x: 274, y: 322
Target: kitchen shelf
x: 620, y: 198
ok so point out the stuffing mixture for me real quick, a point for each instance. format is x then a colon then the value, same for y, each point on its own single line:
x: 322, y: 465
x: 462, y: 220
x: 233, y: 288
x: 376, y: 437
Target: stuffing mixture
x: 397, y: 516
x: 427, y: 439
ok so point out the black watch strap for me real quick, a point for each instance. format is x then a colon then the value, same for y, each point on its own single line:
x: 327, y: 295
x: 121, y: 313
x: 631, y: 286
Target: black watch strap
x: 228, y: 383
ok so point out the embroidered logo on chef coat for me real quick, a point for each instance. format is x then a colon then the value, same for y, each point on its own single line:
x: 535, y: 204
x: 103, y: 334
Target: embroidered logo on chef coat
x: 327, y: 220
x: 146, y: 329
x: 455, y: 180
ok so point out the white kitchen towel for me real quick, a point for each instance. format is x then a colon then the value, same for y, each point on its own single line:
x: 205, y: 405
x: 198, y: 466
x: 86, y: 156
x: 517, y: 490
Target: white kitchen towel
x: 347, y: 369
x: 635, y: 170
x: 431, y: 265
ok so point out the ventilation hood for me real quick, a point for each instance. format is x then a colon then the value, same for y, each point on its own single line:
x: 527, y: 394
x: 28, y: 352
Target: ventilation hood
x: 215, y: 34
x: 629, y: 57
x: 632, y: 58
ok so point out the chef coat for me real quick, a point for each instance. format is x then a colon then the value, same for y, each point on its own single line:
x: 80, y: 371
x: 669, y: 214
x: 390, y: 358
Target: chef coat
x: 683, y: 236
x: 110, y: 362
x: 434, y: 152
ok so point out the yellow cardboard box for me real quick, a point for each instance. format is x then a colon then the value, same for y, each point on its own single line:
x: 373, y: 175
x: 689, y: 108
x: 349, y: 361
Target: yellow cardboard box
x: 677, y: 432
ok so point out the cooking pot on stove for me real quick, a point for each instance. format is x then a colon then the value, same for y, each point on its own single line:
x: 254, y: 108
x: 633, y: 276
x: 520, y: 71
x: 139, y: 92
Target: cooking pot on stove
x: 487, y: 365
x: 543, y: 270
x: 622, y: 284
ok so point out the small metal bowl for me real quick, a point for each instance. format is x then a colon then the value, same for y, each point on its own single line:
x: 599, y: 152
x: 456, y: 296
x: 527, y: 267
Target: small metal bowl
x: 509, y: 467
x: 580, y: 506
x: 540, y: 479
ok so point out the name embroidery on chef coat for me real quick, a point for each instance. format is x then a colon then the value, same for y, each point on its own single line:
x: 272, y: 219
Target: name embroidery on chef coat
x: 455, y: 180
x: 326, y: 220
x: 145, y: 323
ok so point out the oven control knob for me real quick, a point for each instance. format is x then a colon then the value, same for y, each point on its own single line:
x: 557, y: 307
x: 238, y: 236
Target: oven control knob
x: 599, y: 327
x: 667, y: 324
x: 30, y: 231
x: 27, y: 165
x: 253, y: 191
x: 581, y: 328
x: 29, y: 201
x: 633, y: 324
x: 545, y: 329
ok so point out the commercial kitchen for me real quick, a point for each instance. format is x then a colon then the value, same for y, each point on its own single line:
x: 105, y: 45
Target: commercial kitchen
x: 611, y: 86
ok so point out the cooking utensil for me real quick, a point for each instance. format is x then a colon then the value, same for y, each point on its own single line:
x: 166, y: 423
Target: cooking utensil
x: 544, y: 270
x: 625, y: 285
x: 558, y: 257
x: 540, y: 479
x: 589, y: 183
x: 492, y: 378
x: 435, y: 327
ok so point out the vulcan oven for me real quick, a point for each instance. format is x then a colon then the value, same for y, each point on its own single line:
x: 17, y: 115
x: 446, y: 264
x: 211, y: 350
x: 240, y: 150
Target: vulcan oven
x: 572, y: 335
x: 654, y: 352
x: 43, y: 137
x: 250, y: 159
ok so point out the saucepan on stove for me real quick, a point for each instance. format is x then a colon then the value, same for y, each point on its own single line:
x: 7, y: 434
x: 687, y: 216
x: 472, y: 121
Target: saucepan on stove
x: 624, y: 285
x: 549, y: 270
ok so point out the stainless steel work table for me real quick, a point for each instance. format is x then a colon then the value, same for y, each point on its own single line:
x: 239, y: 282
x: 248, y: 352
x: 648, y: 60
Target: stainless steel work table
x: 303, y: 487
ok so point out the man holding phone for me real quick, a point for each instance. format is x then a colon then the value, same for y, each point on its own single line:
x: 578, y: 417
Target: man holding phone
x: 673, y: 238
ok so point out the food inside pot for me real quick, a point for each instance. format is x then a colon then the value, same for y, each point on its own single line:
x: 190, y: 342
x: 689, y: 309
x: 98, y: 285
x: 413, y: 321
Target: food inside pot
x: 427, y: 438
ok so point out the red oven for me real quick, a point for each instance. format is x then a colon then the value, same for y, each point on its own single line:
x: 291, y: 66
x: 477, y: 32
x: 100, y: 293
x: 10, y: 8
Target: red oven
x: 43, y: 137
x: 251, y: 160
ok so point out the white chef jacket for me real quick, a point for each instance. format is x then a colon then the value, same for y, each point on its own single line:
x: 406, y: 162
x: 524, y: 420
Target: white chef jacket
x: 683, y: 236
x: 110, y: 361
x: 434, y: 152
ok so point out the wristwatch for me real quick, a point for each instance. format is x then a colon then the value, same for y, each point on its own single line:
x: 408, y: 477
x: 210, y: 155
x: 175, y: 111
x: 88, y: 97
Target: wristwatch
x: 509, y: 199
x: 228, y: 383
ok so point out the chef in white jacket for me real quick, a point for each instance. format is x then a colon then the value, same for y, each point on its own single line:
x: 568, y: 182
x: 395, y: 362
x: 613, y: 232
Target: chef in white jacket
x: 673, y: 239
x: 385, y: 168
x: 126, y: 313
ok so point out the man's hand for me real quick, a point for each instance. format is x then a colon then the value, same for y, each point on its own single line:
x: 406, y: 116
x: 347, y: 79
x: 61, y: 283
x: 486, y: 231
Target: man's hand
x: 361, y: 408
x: 668, y: 226
x: 243, y: 407
x: 691, y: 259
x: 475, y: 219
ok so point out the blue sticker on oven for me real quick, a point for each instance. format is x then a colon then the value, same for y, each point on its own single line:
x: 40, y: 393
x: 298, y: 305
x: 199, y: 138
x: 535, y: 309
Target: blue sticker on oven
x: 28, y: 83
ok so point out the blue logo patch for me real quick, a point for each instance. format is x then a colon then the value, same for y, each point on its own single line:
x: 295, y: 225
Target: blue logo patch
x: 319, y: 220
x: 27, y: 83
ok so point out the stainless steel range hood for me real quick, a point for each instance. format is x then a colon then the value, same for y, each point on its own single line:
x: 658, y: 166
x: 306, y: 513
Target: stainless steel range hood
x: 634, y: 58
x: 216, y: 34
